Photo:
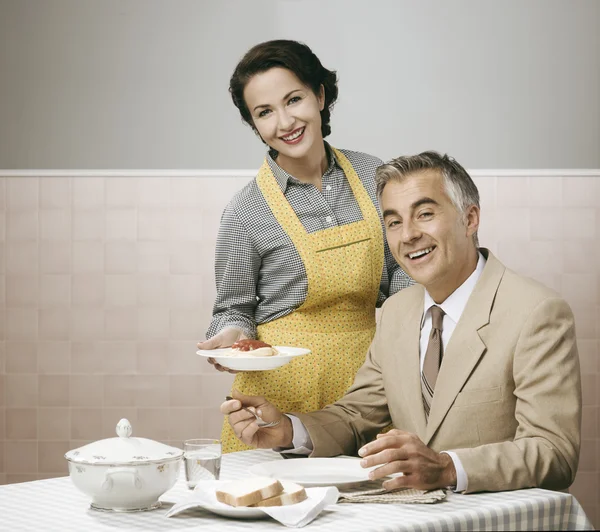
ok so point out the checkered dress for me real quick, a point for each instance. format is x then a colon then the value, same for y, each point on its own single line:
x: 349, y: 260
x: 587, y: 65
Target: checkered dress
x: 259, y: 274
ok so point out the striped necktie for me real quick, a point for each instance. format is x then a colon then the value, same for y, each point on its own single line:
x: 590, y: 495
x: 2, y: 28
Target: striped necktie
x: 433, y: 358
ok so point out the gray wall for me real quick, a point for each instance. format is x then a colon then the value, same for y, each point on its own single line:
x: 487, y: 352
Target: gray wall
x: 96, y: 84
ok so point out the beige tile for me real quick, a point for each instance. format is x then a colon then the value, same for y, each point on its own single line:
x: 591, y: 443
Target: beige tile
x: 86, y: 391
x: 190, y: 257
x: 3, y: 196
x: 185, y: 225
x: 589, y: 422
x: 21, y: 423
x: 17, y: 479
x: 121, y: 324
x: 185, y: 291
x: 22, y: 290
x: 120, y: 257
x: 185, y: 391
x: 153, y: 290
x: 121, y: 224
x: 588, y: 352
x: 88, y: 192
x: 22, y: 324
x: 20, y: 457
x: 55, y: 257
x: 212, y: 423
x: 2, y: 467
x: 2, y: 324
x: 512, y: 192
x: 576, y: 256
x: 21, y: 357
x: 153, y: 323
x: 186, y: 423
x: 152, y: 391
x: 153, y: 423
x: 153, y: 257
x: 153, y: 191
x: 54, y: 424
x: 121, y: 192
x: 214, y: 388
x: 51, y: 456
x: 589, y: 389
x: 54, y: 324
x: 119, y: 390
x: 87, y: 324
x: 119, y: 358
x: 22, y: 257
x: 88, y: 225
x: 55, y: 224
x: 22, y: 225
x: 55, y: 192
x: 545, y: 191
x: 88, y: 257
x: 2, y: 423
x: 22, y: 193
x: 187, y: 192
x: 153, y: 224
x: 530, y: 257
x: 87, y: 290
x: 21, y: 390
x: 86, y: 358
x: 579, y: 223
x: 111, y: 417
x: 2, y: 362
x: 546, y: 224
x: 2, y: 251
x: 53, y: 390
x: 86, y: 423
x: 184, y: 325
x: 581, y: 191
x: 585, y: 487
x: 2, y: 290
x: 55, y: 291
x: 152, y: 358
x: 120, y: 291
x: 183, y: 360
x: 54, y: 357
x: 579, y: 288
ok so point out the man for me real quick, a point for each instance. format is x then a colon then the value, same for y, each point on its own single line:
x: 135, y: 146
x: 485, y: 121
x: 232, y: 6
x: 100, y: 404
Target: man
x: 476, y: 366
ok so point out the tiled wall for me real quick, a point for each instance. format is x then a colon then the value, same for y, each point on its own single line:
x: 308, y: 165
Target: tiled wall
x: 106, y: 284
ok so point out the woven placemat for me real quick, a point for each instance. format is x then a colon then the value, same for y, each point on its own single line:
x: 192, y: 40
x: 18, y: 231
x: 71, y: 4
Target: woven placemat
x: 406, y: 496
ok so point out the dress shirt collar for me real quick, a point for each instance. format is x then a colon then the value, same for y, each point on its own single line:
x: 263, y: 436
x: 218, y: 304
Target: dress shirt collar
x: 455, y: 303
x: 283, y: 178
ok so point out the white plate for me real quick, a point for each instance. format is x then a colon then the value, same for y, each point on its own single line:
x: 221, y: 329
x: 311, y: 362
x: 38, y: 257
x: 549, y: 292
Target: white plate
x: 343, y: 472
x: 250, y: 363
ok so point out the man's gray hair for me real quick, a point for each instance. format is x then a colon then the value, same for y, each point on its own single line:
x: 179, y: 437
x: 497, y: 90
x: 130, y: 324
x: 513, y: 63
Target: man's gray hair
x: 459, y: 186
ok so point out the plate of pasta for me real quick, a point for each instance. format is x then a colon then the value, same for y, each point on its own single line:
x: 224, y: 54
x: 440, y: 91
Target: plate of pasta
x: 253, y: 355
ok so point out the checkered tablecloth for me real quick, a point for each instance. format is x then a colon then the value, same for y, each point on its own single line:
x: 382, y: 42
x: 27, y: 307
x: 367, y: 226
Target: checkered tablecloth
x: 56, y: 505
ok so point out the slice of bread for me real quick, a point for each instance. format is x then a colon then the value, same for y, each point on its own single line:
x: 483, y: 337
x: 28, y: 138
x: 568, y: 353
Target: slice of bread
x: 292, y: 493
x: 248, y: 491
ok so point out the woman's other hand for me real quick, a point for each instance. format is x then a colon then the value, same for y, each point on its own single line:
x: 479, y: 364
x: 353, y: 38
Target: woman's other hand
x: 226, y: 338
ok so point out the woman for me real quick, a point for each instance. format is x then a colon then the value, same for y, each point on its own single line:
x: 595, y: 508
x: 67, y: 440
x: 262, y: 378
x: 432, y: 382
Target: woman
x: 300, y: 251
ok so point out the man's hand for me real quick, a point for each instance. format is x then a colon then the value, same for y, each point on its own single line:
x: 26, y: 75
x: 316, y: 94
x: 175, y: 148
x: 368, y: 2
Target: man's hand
x: 244, y: 424
x: 403, y: 452
x: 225, y: 338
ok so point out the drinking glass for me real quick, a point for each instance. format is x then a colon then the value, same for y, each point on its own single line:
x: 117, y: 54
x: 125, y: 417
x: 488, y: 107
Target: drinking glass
x: 202, y: 460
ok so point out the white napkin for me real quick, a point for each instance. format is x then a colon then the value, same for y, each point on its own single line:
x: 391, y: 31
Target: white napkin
x: 295, y: 515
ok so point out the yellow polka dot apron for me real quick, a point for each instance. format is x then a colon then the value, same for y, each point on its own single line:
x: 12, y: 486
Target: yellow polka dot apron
x: 336, y: 321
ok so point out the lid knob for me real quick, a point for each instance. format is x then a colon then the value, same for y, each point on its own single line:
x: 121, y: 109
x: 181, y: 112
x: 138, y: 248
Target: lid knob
x: 124, y: 428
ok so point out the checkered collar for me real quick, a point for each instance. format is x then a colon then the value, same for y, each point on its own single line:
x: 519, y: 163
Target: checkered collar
x: 283, y: 178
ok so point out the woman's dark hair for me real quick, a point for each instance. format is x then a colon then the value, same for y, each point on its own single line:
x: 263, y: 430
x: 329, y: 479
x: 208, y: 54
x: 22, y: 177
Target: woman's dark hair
x: 297, y: 58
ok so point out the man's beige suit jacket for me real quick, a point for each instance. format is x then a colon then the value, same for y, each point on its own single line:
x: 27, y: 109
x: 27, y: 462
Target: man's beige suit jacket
x: 507, y: 398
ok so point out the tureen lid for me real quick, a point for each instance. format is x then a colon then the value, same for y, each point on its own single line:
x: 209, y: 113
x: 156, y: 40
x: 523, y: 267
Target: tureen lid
x: 123, y: 450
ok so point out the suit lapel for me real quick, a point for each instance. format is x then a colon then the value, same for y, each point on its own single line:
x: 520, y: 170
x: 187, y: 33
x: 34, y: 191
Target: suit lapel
x: 466, y: 346
x: 406, y: 360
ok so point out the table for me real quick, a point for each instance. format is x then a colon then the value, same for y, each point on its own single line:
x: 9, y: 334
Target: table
x: 56, y: 505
